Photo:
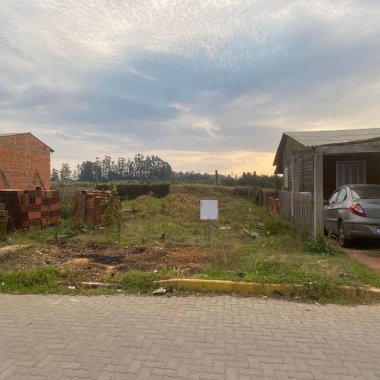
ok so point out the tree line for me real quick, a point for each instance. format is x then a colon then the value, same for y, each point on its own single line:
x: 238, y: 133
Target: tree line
x: 253, y: 179
x: 153, y: 169
x: 140, y: 168
x: 246, y: 179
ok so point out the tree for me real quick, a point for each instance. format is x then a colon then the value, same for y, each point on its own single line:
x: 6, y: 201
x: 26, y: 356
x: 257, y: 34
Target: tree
x: 75, y: 175
x: 108, y: 169
x: 121, y: 168
x: 97, y: 170
x: 54, y: 175
x: 65, y: 172
x: 149, y: 168
x: 139, y: 166
x: 86, y: 172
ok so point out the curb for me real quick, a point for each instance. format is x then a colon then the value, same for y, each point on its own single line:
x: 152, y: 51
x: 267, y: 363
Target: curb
x: 220, y: 286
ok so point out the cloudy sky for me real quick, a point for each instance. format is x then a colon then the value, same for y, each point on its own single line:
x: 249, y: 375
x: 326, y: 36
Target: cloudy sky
x: 204, y: 84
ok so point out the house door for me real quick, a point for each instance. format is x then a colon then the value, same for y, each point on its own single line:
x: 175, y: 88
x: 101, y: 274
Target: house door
x: 350, y: 172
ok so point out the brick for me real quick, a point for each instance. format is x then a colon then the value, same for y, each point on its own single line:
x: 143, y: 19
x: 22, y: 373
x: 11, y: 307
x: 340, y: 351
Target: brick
x: 21, y: 157
x: 219, y: 337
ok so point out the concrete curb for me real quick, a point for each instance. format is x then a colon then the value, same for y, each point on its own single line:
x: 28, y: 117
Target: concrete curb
x: 219, y: 286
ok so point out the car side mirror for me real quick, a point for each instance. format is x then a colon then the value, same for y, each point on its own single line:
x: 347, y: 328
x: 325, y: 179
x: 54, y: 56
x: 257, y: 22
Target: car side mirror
x: 325, y: 202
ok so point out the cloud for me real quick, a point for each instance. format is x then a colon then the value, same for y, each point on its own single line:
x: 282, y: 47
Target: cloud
x: 215, y: 77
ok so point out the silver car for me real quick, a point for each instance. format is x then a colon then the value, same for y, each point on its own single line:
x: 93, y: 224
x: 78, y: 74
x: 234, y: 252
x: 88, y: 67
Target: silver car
x: 353, y: 211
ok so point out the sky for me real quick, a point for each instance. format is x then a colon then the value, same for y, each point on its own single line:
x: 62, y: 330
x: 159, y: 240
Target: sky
x: 203, y: 84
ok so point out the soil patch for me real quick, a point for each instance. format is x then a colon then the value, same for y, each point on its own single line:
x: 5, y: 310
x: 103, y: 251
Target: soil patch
x: 369, y: 258
x: 94, y: 260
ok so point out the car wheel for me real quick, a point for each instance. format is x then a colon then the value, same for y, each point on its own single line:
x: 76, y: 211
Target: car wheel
x: 342, y: 238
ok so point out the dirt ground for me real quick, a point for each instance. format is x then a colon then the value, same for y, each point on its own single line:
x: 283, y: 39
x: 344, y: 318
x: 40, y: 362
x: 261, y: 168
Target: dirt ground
x: 369, y: 258
x: 96, y: 260
x: 365, y: 251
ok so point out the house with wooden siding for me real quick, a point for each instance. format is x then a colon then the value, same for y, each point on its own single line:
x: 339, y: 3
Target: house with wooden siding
x: 314, y: 163
x: 24, y: 162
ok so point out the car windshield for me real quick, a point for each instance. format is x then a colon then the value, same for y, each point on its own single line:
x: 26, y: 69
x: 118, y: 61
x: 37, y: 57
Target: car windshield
x: 366, y: 192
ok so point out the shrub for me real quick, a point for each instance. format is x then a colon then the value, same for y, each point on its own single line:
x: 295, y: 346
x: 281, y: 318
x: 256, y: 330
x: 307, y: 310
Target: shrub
x: 111, y: 208
x: 274, y: 225
x: 133, y: 191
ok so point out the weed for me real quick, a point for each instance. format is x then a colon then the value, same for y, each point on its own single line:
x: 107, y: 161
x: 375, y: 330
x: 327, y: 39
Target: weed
x: 135, y: 281
x: 66, y: 229
x: 320, y: 245
x: 274, y: 225
x: 170, y: 231
x: 66, y: 209
x: 41, y: 280
x: 226, y: 256
x: 111, y: 207
x: 278, y: 256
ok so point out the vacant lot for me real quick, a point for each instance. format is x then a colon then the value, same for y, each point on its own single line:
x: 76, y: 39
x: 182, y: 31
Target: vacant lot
x: 162, y: 238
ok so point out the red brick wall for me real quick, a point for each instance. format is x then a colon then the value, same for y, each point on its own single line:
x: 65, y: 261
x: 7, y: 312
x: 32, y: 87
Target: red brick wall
x: 21, y: 157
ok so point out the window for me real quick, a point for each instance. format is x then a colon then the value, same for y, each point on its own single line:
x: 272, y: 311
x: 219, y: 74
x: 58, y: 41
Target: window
x: 286, y: 176
x: 342, y: 195
x: 350, y: 172
x: 365, y: 192
x: 333, y: 198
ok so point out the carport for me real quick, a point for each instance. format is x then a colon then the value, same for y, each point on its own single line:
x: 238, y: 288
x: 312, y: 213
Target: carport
x: 314, y: 163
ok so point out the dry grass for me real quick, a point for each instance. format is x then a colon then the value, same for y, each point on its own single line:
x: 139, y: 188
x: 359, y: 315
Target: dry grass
x: 166, y: 234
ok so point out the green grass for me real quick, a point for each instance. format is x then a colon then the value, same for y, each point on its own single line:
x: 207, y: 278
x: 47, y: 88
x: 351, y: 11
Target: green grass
x: 280, y: 255
x: 66, y: 229
x: 283, y: 259
x: 177, y: 216
x: 33, y: 281
x: 53, y: 280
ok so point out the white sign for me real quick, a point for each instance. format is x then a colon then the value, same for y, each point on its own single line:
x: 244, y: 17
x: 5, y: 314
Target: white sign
x: 209, y: 209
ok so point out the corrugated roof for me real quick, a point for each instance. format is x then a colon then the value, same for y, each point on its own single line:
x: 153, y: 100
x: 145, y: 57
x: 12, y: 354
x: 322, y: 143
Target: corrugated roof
x: 311, y: 139
x: 317, y: 138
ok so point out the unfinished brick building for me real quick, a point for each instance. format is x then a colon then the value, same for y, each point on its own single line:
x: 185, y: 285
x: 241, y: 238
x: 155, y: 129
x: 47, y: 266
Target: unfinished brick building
x: 24, y: 162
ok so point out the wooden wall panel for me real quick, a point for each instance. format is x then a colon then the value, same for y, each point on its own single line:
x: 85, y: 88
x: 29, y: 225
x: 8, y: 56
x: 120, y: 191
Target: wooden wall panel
x: 329, y: 169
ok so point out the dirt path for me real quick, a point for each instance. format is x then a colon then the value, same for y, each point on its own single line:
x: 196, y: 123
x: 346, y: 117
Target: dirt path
x: 369, y: 258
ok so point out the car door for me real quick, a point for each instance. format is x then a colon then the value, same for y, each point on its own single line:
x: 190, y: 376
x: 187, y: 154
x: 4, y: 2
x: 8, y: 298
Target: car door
x: 336, y: 208
x: 328, y: 211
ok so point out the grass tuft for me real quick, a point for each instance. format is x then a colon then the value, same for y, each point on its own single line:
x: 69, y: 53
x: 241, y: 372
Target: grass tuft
x: 39, y: 280
x: 320, y: 245
x: 274, y: 225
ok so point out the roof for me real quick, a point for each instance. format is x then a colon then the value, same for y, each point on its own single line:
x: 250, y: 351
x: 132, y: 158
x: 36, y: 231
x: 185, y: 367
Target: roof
x: 311, y: 139
x: 318, y: 138
x: 25, y: 133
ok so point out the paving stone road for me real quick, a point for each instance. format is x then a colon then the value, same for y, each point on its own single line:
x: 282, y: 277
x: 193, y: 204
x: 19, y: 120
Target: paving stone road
x: 216, y: 337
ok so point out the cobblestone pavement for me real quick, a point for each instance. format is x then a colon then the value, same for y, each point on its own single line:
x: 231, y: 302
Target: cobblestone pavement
x: 216, y: 337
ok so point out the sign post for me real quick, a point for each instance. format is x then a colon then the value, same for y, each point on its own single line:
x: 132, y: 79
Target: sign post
x: 209, y: 211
